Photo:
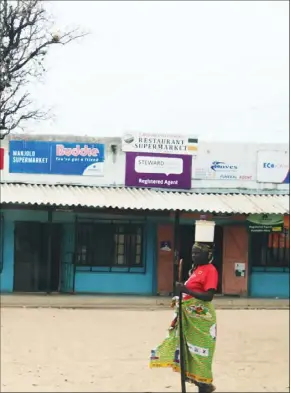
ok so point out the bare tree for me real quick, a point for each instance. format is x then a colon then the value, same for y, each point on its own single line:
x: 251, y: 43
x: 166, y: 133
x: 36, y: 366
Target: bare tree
x: 25, y: 38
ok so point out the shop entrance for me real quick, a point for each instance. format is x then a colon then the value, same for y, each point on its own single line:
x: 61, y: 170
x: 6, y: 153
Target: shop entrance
x: 186, y: 240
x: 36, y: 259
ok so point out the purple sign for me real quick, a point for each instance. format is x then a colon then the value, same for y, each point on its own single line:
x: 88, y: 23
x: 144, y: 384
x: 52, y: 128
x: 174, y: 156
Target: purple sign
x: 158, y: 170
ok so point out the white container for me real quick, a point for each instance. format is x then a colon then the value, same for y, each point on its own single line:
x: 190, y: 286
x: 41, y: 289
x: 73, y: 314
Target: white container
x: 204, y: 231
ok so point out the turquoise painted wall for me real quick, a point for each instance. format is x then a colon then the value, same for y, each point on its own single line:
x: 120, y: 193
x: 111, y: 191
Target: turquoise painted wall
x: 271, y: 283
x: 10, y: 216
x: 6, y: 277
x: 85, y: 281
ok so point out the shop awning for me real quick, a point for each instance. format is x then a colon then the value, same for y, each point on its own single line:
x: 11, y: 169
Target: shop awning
x: 141, y: 199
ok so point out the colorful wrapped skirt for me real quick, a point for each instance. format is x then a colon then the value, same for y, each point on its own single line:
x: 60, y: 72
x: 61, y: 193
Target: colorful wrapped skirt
x: 199, y: 333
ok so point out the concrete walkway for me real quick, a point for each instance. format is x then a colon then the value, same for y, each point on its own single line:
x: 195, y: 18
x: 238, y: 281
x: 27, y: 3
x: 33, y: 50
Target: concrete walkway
x: 128, y: 302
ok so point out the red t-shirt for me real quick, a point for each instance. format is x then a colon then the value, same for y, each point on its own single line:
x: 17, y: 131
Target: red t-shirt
x: 205, y: 277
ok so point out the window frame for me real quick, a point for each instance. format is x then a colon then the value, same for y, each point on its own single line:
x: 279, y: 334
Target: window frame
x: 266, y: 258
x: 125, y: 233
x: 129, y: 228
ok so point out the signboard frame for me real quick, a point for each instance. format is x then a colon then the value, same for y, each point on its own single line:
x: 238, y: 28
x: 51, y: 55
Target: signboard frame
x: 56, y: 158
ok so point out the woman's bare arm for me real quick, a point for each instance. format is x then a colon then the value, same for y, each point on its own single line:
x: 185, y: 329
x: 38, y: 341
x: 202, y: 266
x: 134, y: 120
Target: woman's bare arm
x: 205, y: 296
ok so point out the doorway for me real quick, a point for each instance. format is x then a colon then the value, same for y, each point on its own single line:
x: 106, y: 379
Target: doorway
x: 36, y: 266
x: 54, y: 265
x: 186, y: 240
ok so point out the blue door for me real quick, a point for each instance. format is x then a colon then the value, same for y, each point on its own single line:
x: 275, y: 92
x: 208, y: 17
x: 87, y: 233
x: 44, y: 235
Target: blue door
x: 67, y: 274
x: 67, y: 264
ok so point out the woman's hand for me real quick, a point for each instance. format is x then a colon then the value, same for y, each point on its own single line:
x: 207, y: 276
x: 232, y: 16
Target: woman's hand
x: 181, y: 288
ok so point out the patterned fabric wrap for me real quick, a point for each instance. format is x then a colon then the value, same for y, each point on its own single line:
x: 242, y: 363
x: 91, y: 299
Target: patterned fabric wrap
x: 199, y: 331
x: 204, y: 247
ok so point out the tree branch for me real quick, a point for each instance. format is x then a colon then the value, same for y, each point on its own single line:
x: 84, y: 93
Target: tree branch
x: 25, y: 39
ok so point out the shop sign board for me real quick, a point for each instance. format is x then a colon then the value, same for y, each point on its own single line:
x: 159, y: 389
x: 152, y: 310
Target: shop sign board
x: 224, y: 162
x: 273, y: 166
x: 56, y: 158
x: 221, y: 169
x: 267, y: 223
x: 151, y: 170
x: 141, y: 142
x: 266, y: 219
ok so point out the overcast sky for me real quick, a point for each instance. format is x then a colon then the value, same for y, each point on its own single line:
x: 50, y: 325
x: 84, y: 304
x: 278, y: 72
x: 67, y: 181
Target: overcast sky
x: 218, y: 70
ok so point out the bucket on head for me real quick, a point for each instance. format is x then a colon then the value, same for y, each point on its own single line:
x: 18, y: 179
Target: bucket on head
x: 204, y: 231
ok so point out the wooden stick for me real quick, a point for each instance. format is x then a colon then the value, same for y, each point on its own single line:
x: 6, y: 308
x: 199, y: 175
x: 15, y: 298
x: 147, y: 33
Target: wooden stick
x: 180, y: 272
x: 182, y: 357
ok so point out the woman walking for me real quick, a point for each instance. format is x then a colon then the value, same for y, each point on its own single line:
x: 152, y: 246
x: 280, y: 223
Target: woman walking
x: 199, y: 323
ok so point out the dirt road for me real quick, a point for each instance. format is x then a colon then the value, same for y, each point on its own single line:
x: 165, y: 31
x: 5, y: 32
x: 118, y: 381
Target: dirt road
x: 46, y: 350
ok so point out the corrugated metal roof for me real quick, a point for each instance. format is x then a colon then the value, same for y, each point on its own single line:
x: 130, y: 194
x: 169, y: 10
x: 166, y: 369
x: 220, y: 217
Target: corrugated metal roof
x: 142, y: 199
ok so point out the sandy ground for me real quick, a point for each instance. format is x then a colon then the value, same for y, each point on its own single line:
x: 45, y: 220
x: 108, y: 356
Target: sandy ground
x: 46, y: 350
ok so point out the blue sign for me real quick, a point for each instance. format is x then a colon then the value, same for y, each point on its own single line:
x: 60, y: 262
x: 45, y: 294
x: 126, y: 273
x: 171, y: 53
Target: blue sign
x: 56, y: 158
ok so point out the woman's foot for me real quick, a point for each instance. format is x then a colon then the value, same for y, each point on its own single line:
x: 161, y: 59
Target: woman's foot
x: 206, y: 388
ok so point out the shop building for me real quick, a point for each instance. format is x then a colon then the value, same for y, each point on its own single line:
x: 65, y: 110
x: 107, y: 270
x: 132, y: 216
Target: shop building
x: 118, y: 240
x: 95, y: 233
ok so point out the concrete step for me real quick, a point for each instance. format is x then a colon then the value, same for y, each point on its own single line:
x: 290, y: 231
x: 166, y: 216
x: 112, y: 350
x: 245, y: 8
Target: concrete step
x: 129, y: 302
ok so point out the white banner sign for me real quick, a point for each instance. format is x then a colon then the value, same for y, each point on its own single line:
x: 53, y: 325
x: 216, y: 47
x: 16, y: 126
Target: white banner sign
x: 273, y: 166
x: 164, y: 165
x: 159, y: 143
x: 206, y: 169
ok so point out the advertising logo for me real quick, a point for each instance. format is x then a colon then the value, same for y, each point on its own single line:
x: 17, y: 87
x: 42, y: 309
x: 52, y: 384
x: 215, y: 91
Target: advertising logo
x: 77, y: 151
x: 224, y: 171
x: 271, y: 165
x: 219, y: 166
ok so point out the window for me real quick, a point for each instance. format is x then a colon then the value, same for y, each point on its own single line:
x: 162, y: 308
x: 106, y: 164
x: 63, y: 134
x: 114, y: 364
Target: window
x: 109, y: 245
x: 271, y: 249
